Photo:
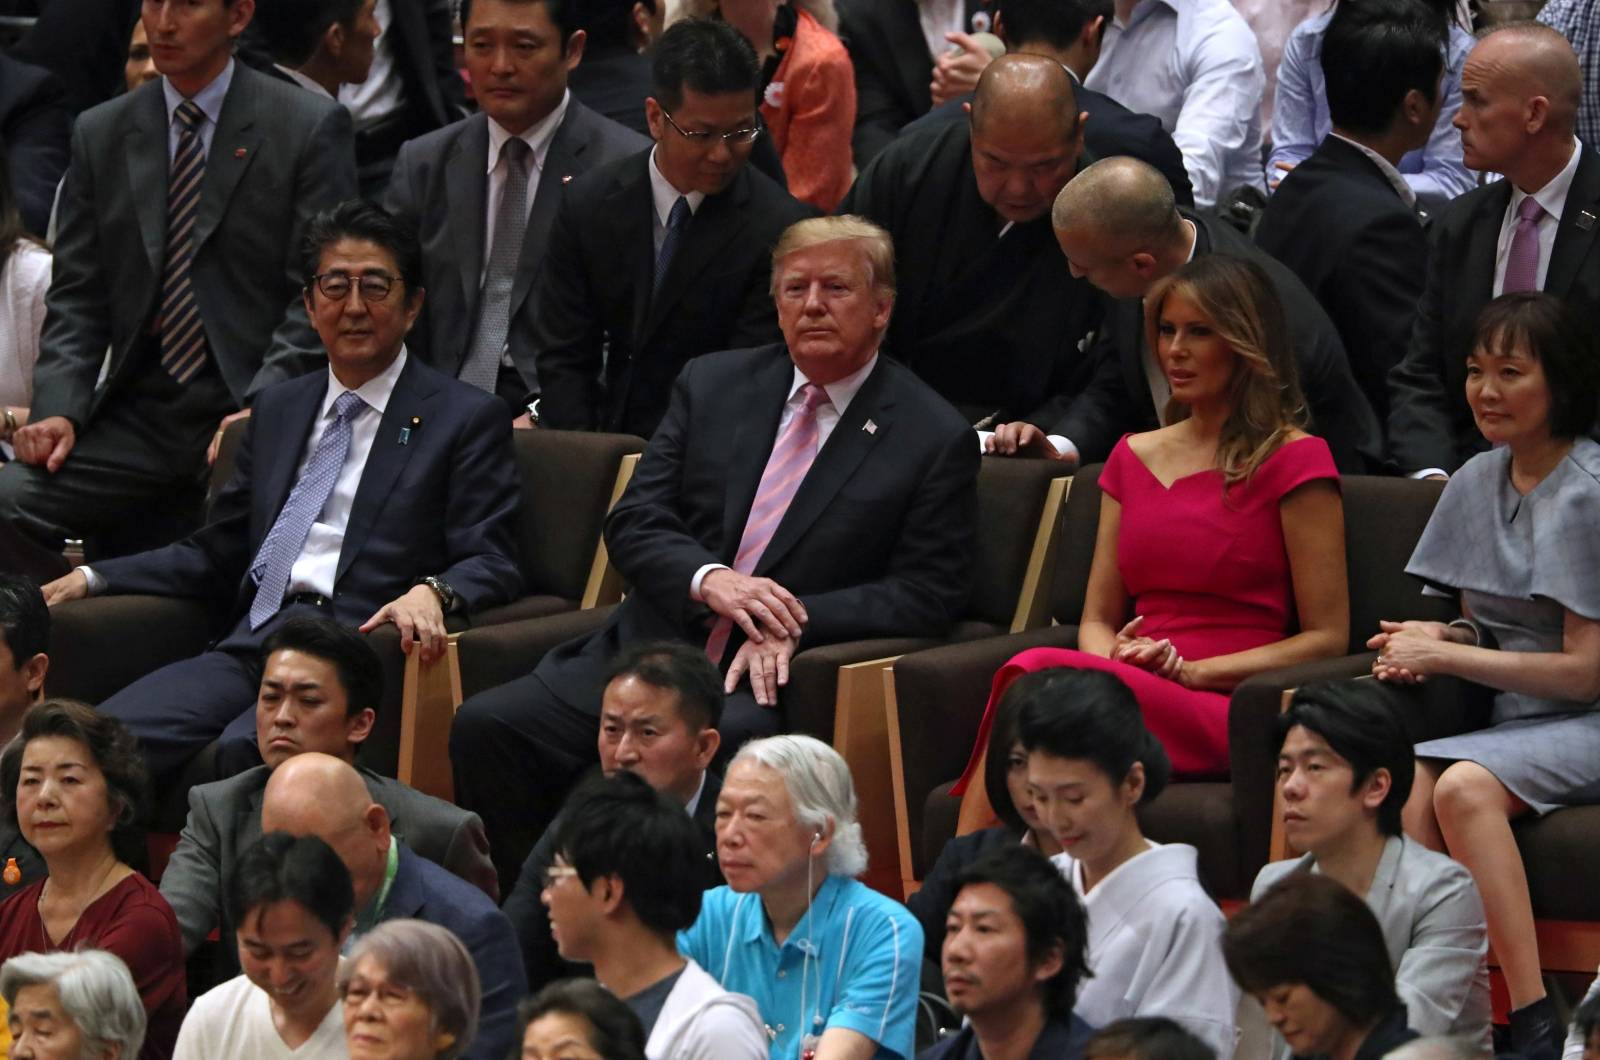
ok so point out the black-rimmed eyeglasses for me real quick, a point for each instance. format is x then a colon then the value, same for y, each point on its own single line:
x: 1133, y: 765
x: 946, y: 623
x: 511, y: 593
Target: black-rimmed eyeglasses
x: 738, y: 137
x: 336, y: 286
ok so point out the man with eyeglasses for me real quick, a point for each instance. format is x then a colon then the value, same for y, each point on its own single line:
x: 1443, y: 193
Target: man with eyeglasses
x: 379, y: 491
x: 661, y: 257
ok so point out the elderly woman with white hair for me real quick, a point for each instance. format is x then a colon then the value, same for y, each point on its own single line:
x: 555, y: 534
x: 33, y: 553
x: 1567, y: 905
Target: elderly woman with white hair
x: 832, y: 965
x: 411, y: 992
x: 72, y: 1006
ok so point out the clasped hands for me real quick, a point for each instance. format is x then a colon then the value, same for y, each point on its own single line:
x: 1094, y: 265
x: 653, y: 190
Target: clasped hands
x: 1409, y: 651
x: 1157, y: 656
x: 772, y: 621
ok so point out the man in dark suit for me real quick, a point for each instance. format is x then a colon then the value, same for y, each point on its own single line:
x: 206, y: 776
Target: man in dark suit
x: 1070, y: 32
x: 24, y: 642
x: 318, y: 45
x: 614, y: 78
x: 663, y: 256
x: 375, y: 491
x: 893, y: 52
x: 658, y: 719
x: 531, y: 138
x: 989, y: 315
x: 877, y: 541
x: 1345, y: 220
x: 35, y: 128
x: 316, y: 794
x: 84, y: 43
x: 320, y: 688
x: 1492, y: 241
x: 178, y: 247
x: 1120, y: 229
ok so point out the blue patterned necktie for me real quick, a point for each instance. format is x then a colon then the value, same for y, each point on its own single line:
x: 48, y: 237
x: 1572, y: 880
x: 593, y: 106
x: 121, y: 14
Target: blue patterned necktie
x: 482, y: 366
x: 183, y: 335
x: 306, y: 500
x: 677, y: 221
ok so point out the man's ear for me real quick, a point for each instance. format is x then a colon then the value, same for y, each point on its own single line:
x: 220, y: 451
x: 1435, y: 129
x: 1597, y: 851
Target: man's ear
x: 706, y: 745
x: 1376, y: 788
x: 359, y: 727
x: 573, y: 54
x: 611, y: 893
x: 1144, y: 263
x: 33, y: 673
x: 333, y: 40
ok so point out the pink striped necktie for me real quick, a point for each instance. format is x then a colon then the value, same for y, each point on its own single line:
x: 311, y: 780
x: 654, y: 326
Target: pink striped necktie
x: 1522, y: 264
x: 791, y: 458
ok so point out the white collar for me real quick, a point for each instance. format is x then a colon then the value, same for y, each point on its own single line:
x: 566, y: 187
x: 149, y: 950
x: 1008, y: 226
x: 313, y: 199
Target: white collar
x: 1553, y: 196
x: 694, y: 803
x: 537, y: 136
x: 375, y: 391
x: 1391, y: 174
x: 209, y: 99
x: 664, y: 194
x: 305, y: 82
x: 842, y: 391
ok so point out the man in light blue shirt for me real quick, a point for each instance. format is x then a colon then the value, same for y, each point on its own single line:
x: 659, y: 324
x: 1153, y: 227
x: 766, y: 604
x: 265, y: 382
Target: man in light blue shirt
x: 832, y: 965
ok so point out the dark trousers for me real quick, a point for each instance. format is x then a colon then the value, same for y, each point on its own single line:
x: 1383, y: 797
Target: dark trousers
x: 517, y: 749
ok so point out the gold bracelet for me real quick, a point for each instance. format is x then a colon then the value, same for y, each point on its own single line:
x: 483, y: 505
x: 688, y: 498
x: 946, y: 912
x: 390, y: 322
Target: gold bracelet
x: 11, y: 424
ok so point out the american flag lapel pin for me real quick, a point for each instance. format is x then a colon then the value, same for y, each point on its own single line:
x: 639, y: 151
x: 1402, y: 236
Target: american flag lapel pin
x: 870, y: 427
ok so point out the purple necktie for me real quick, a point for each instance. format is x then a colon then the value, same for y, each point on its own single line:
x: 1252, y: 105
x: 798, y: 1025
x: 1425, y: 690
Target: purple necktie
x: 791, y: 458
x: 1522, y: 264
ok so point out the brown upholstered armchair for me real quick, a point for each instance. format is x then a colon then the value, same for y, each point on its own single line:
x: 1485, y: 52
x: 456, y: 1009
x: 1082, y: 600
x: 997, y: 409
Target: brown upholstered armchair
x: 937, y: 697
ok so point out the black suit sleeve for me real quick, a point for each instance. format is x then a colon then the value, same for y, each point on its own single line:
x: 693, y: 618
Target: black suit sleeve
x: 401, y: 198
x: 1374, y: 293
x: 442, y: 58
x: 482, y: 505
x: 1094, y: 418
x: 569, y: 334
x: 1420, y: 435
x: 37, y: 135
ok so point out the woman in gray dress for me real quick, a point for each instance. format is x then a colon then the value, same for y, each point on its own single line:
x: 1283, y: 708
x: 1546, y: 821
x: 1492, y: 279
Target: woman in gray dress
x: 1516, y: 536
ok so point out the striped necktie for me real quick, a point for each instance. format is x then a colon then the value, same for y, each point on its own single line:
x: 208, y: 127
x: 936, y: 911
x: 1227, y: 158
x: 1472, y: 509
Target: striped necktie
x: 183, y: 336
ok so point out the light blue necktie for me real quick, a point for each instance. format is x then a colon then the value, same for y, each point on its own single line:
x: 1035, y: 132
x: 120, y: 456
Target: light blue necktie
x: 306, y: 500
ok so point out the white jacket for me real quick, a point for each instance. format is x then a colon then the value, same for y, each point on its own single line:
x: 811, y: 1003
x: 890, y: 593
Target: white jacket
x: 702, y: 1021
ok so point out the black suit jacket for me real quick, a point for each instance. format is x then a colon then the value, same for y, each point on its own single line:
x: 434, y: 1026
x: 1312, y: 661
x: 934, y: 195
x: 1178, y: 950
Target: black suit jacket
x: 613, y: 82
x: 85, y: 44
x: 442, y: 502
x: 1117, y: 401
x: 878, y: 541
x: 1430, y: 424
x: 1112, y: 130
x: 595, y: 302
x: 893, y: 67
x: 1339, y: 224
x: 440, y: 186
x: 35, y: 130
x: 993, y: 323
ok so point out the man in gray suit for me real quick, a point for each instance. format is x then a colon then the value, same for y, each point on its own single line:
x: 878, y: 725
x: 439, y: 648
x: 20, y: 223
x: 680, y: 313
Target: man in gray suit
x: 320, y: 686
x: 482, y: 192
x: 1345, y: 768
x: 178, y: 249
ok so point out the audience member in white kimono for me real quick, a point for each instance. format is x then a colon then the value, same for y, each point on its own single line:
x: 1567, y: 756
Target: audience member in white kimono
x: 1345, y: 769
x: 1313, y: 955
x: 1154, y: 934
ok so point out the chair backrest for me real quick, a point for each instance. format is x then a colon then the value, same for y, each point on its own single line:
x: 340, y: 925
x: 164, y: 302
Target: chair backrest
x: 1012, y: 495
x: 1080, y: 522
x: 567, y: 478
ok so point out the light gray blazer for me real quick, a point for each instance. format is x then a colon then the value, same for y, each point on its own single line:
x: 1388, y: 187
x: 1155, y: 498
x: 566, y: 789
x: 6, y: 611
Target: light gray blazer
x: 1432, y: 919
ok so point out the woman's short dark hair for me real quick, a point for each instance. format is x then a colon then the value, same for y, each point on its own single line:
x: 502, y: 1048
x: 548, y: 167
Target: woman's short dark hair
x: 614, y: 1031
x: 371, y: 223
x: 680, y: 668
x: 1356, y: 721
x: 1147, y: 1038
x: 280, y: 867
x: 1091, y: 716
x: 1310, y: 929
x: 1050, y: 912
x: 703, y: 54
x: 115, y: 754
x: 997, y: 761
x: 359, y: 669
x: 1562, y: 339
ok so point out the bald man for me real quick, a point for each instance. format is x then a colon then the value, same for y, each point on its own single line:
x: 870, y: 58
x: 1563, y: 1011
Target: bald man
x: 1520, y: 90
x: 317, y: 794
x: 1118, y: 227
x: 987, y: 313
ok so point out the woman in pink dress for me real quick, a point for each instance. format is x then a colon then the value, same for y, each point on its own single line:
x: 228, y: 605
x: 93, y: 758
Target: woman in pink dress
x: 1220, y: 552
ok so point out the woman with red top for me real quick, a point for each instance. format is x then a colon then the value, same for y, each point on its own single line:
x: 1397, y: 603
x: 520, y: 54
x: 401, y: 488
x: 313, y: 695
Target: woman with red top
x: 808, y: 89
x: 1220, y: 552
x: 74, y: 782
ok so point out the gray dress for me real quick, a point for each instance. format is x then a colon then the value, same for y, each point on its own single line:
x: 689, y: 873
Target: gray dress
x: 1520, y: 563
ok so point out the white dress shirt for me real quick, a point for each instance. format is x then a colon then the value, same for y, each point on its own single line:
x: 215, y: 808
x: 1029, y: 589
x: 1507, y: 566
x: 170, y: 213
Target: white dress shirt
x: 1553, y: 197
x: 1196, y: 66
x: 382, y: 93
x: 664, y: 195
x: 303, y: 81
x: 314, y: 570
x: 939, y: 17
x: 537, y: 136
x: 840, y: 394
x: 209, y: 100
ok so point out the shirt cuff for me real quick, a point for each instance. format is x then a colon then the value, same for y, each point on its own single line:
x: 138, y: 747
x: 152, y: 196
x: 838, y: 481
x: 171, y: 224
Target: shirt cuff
x: 700, y: 576
x: 96, y: 583
x: 1068, y: 451
x: 1425, y: 472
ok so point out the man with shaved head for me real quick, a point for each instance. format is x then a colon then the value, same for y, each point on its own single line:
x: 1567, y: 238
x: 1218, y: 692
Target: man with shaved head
x: 320, y: 795
x: 1119, y: 228
x: 987, y: 313
x: 1533, y: 231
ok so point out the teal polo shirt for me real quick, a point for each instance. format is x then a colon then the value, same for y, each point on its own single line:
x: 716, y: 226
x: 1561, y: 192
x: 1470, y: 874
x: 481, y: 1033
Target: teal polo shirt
x: 856, y: 956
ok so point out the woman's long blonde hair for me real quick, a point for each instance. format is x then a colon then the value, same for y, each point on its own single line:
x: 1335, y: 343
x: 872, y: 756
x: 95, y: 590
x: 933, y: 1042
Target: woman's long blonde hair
x: 1238, y: 299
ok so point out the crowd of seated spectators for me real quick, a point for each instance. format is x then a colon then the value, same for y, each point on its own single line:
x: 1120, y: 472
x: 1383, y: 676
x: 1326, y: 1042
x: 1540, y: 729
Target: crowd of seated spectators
x: 286, y: 284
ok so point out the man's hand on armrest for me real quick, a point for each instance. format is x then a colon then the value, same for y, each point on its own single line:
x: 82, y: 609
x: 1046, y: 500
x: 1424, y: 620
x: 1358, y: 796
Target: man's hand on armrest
x: 1024, y: 439
x: 74, y: 585
x: 754, y: 604
x: 419, y: 618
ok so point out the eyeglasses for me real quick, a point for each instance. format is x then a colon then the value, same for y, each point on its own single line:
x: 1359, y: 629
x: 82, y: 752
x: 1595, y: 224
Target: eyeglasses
x: 336, y: 286
x: 738, y: 137
x: 556, y: 873
x: 388, y: 995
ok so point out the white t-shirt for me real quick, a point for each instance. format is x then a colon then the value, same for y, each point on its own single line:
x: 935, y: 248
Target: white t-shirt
x: 235, y: 1020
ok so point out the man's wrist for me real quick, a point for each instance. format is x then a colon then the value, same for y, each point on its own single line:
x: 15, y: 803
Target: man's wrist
x: 697, y: 583
x: 93, y: 582
x: 448, y: 598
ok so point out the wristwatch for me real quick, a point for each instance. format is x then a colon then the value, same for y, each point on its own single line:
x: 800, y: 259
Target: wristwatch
x: 532, y: 409
x: 441, y: 588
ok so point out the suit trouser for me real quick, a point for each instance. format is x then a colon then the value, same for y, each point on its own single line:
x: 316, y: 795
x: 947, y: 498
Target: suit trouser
x: 517, y: 749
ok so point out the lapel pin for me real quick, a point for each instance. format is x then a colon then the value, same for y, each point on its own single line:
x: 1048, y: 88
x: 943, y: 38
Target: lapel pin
x: 405, y: 432
x: 870, y: 427
x: 566, y: 178
x: 238, y: 152
x: 1585, y: 220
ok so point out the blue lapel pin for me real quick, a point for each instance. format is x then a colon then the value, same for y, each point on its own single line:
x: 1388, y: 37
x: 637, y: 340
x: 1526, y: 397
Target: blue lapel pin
x: 405, y: 432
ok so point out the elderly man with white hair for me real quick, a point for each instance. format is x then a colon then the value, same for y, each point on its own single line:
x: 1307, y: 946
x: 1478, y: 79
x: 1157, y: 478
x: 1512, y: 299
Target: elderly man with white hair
x: 72, y: 1005
x: 831, y: 964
